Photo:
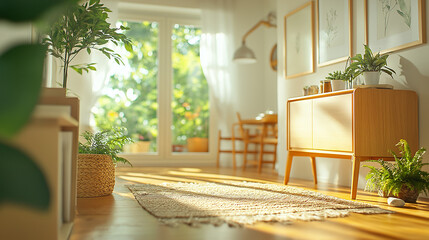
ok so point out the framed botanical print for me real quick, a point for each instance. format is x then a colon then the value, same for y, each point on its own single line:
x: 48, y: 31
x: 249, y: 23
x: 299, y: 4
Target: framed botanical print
x: 334, y: 31
x: 299, y: 41
x: 392, y: 25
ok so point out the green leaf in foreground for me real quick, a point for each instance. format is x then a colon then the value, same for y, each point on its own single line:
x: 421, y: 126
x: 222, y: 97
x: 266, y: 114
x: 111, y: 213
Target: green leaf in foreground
x: 25, y: 10
x: 21, y: 69
x: 21, y: 180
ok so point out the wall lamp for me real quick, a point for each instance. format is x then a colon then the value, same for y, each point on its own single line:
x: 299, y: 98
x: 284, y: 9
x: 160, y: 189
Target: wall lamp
x: 244, y: 54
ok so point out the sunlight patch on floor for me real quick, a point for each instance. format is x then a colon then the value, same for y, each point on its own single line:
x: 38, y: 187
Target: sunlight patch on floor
x: 215, y: 176
x: 155, y: 179
x: 190, y: 169
x: 126, y: 195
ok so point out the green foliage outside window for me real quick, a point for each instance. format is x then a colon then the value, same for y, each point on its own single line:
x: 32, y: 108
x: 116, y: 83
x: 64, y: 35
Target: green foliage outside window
x: 131, y: 99
x: 190, y: 103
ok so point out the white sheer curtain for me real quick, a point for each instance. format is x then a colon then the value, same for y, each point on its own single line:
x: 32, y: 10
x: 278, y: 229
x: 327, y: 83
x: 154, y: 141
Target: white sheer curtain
x: 216, y: 57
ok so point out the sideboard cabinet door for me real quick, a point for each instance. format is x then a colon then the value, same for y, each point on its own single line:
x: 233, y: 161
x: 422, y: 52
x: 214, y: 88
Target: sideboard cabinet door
x: 300, y: 124
x: 333, y: 123
x: 382, y: 118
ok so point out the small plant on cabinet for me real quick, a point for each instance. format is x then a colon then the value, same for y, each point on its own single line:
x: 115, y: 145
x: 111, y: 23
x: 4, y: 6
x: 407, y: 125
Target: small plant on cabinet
x: 370, y: 66
x: 339, y: 79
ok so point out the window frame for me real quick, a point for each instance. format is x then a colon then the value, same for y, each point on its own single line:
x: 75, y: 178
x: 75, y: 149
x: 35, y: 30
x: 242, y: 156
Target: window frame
x: 165, y: 156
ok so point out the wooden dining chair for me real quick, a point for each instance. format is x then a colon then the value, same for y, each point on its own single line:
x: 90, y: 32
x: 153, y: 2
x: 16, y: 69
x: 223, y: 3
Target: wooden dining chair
x: 220, y: 150
x: 234, y: 150
x: 261, y: 140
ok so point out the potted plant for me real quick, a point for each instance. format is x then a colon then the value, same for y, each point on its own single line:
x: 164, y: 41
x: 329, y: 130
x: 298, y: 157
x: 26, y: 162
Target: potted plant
x: 198, y: 138
x: 370, y: 66
x: 141, y: 142
x: 338, y: 79
x: 404, y: 179
x: 83, y: 27
x: 97, y: 160
x: 305, y: 90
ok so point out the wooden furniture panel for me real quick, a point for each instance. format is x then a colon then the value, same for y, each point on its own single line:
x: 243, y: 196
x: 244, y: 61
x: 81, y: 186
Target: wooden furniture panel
x: 358, y: 125
x: 45, y: 140
x: 383, y: 117
x: 332, y: 123
x: 56, y: 98
x: 300, y: 124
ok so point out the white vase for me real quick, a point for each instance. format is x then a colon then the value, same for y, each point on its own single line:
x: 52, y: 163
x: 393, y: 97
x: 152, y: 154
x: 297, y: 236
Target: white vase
x: 337, y: 85
x: 371, y: 78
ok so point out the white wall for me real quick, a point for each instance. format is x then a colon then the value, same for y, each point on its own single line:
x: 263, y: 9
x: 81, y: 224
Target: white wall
x: 255, y: 83
x: 412, y: 73
x: 270, y: 76
x: 254, y: 86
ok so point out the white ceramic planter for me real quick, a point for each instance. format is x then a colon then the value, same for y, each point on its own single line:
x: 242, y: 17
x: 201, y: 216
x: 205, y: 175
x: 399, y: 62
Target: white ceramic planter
x: 337, y: 85
x: 371, y: 78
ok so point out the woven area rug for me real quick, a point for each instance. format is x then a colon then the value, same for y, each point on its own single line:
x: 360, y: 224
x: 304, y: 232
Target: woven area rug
x: 240, y: 203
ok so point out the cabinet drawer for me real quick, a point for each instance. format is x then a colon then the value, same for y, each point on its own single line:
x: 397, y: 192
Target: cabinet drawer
x: 333, y: 123
x: 300, y: 124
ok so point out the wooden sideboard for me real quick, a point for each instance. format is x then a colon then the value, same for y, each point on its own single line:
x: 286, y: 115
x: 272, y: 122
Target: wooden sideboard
x: 358, y: 124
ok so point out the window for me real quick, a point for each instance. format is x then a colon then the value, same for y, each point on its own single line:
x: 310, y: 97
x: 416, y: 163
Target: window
x: 190, y: 95
x: 160, y: 94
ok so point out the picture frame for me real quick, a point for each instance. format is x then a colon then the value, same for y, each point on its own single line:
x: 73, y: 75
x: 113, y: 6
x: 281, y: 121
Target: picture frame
x: 392, y: 28
x: 299, y: 41
x: 334, y: 31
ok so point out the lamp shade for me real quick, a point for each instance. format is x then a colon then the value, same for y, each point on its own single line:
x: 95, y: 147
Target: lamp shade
x: 244, y: 55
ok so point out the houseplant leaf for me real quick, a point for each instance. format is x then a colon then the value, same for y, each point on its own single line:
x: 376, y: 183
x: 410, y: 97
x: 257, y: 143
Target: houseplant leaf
x: 21, y: 70
x: 21, y: 180
x: 26, y: 10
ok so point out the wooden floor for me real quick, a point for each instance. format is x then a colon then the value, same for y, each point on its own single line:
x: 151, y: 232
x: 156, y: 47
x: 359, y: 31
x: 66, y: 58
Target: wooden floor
x: 119, y: 216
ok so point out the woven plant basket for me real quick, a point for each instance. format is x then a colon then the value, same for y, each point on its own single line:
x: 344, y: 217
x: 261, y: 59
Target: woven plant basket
x: 408, y: 195
x: 96, y: 175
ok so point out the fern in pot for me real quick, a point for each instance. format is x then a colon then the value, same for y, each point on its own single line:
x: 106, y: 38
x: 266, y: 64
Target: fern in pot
x: 404, y: 179
x: 97, y: 159
x: 370, y: 66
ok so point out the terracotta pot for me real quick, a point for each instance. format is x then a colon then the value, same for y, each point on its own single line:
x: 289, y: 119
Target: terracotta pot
x: 408, y: 195
x: 197, y: 144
